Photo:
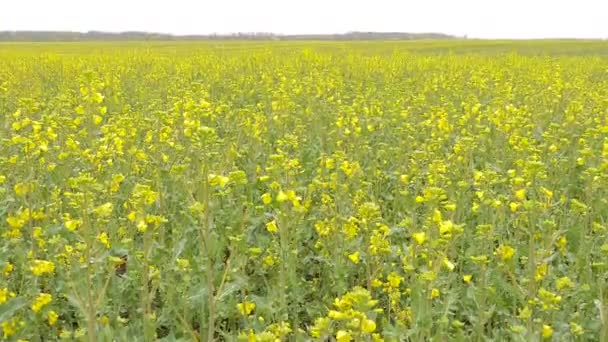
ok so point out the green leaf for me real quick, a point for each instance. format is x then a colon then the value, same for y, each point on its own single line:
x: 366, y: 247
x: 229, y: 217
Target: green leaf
x: 8, y: 309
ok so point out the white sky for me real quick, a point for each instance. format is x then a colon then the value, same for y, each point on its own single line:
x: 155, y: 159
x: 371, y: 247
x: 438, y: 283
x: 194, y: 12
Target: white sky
x: 476, y: 18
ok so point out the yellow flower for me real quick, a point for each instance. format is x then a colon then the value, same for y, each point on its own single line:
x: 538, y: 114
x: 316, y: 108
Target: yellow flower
x: 562, y: 243
x: 116, y: 182
x: 368, y: 326
x: 22, y: 189
x: 266, y: 198
x: 505, y: 252
x: 222, y: 181
x: 448, y: 264
x: 41, y: 301
x: 467, y: 278
x: 103, y: 239
x: 52, y: 317
x: 132, y: 216
x: 272, y: 226
x: 435, y: 293
x: 548, y: 193
x: 354, y: 257
x: 17, y: 222
x: 343, y: 336
x: 446, y: 228
x: 376, y: 283
x: 281, y: 197
x: 5, y: 294
x: 246, y: 307
x: 420, y: 237
x: 394, y: 279
x: 547, y: 331
x: 8, y: 269
x: 520, y: 194
x: 450, y: 207
x: 42, y: 267
x: 436, y: 217
x: 541, y: 272
x: 104, y: 210
x: 564, y: 282
x: 72, y: 224
x: 269, y: 260
x: 525, y: 313
x: 142, y: 226
x: 9, y: 328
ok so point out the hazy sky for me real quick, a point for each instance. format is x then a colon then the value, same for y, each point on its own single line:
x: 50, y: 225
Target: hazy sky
x: 475, y: 18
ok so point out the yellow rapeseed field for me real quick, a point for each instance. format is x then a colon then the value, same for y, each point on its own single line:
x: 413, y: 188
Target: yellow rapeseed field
x: 307, y: 191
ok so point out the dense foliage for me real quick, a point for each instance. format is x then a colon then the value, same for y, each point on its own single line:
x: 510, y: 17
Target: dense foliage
x: 309, y: 191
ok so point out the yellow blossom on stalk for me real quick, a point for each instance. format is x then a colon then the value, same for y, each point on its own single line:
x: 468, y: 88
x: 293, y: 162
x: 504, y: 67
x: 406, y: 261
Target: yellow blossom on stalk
x: 132, y: 216
x: 5, y: 294
x: 437, y: 217
x: 548, y: 193
x: 52, y: 317
x: 525, y: 313
x: 368, y: 326
x: 505, y: 252
x: 282, y: 197
x: 266, y: 198
x: 562, y: 243
x: 116, y: 182
x: 446, y: 228
x: 272, y: 226
x: 394, y: 279
x: 42, y: 267
x: 564, y: 283
x: 435, y: 293
x: 322, y: 228
x: 10, y: 327
x: 547, y: 331
x: 22, y: 189
x: 269, y: 260
x: 450, y: 206
x: 104, y: 210
x: 41, y: 301
x: 104, y: 239
x: 333, y: 314
x: 72, y: 224
x: 343, y: 336
x: 354, y: 257
x: 448, y: 264
x: 8, y: 269
x: 142, y: 226
x: 222, y: 181
x: 419, y: 237
x: 520, y: 194
x: 17, y: 222
x: 246, y: 308
x: 467, y: 278
x: 541, y: 272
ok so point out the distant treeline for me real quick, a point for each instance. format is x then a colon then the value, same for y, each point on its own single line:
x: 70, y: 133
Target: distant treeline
x: 57, y: 36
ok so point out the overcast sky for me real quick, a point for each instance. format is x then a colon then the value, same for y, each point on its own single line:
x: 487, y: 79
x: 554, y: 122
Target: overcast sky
x: 475, y: 18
